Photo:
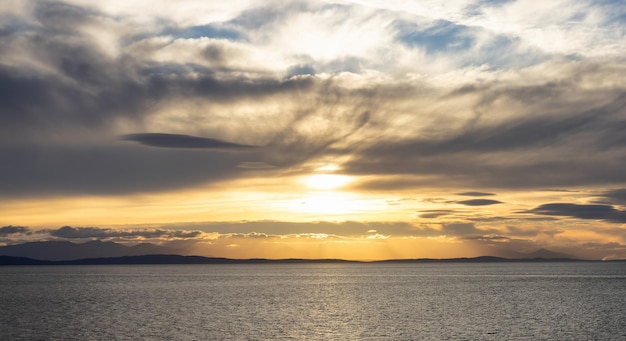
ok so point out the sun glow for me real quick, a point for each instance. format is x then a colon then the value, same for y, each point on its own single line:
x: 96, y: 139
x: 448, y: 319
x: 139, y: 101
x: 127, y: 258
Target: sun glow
x: 326, y: 181
x: 329, y: 203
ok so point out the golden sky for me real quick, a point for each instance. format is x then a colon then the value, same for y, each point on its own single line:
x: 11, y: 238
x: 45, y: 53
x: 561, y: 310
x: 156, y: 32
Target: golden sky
x: 316, y: 129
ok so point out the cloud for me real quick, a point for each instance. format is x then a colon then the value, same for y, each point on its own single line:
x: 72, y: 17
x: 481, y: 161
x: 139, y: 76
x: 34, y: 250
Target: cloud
x: 74, y: 77
x: 533, y: 231
x: 69, y: 232
x: 616, y: 196
x: 441, y: 35
x: 78, y: 232
x: 6, y: 231
x: 209, y: 231
x: 213, y: 30
x: 346, y: 228
x: 250, y: 229
x: 479, y: 202
x: 110, y: 169
x: 162, y: 140
x: 430, y: 214
x: 595, y: 212
x: 464, y: 229
x: 214, y: 239
x: 475, y: 194
x: 489, y: 238
x: 557, y: 149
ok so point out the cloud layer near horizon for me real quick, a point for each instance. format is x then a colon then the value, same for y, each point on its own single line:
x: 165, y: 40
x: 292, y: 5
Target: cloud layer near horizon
x: 115, y: 99
x: 367, y: 240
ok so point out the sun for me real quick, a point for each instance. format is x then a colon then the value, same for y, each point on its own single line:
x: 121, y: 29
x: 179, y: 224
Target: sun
x: 324, y: 196
x: 329, y: 203
x: 326, y: 181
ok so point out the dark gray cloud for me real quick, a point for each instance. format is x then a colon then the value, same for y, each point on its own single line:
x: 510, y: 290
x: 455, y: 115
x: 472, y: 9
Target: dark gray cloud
x: 615, y: 196
x: 430, y: 214
x: 516, y: 218
x: 517, y: 133
x: 479, y: 202
x: 78, y: 232
x: 69, y: 232
x: 558, y: 149
x: 182, y: 141
x: 595, y: 212
x: 89, y: 89
x: 255, y: 229
x: 86, y: 91
x: 9, y: 230
x: 110, y: 169
x: 489, y: 238
x: 475, y: 194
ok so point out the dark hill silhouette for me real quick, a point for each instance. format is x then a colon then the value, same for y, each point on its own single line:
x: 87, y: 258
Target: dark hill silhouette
x: 64, y: 250
x: 545, y: 253
x: 8, y: 260
x: 160, y: 259
x: 540, y: 253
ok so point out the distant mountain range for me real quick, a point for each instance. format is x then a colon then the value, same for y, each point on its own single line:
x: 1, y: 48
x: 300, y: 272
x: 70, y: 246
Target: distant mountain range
x: 64, y: 250
x: 541, y: 253
x: 98, y: 252
x: 159, y: 259
x: 178, y: 259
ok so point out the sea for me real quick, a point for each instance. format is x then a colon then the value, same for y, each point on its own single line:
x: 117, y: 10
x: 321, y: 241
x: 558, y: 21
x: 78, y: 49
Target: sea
x: 346, y: 301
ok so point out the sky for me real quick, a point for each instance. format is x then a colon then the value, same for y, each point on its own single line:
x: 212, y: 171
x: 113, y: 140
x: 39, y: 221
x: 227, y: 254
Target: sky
x: 316, y: 129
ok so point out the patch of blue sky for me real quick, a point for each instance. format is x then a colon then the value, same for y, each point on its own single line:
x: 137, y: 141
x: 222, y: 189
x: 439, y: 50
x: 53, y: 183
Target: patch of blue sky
x: 504, y: 52
x: 617, y: 4
x: 615, y: 11
x: 459, y: 41
x: 441, y: 36
x: 302, y: 69
x: 174, y: 69
x: 349, y: 64
x: 257, y: 18
x: 475, y: 8
x: 204, y: 31
x: 193, y: 32
x: 493, y: 3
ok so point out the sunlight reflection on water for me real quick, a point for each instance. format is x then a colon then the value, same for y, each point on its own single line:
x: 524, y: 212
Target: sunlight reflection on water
x: 577, y: 301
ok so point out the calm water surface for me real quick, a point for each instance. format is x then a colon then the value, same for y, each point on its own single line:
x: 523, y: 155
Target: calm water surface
x: 520, y: 301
